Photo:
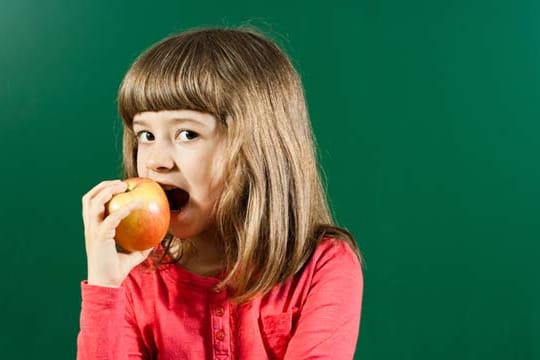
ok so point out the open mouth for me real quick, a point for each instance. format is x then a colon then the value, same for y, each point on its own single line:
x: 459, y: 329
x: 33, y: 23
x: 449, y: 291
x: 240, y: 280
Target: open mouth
x: 178, y: 198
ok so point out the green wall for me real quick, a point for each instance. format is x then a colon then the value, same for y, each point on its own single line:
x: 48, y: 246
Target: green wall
x: 427, y: 117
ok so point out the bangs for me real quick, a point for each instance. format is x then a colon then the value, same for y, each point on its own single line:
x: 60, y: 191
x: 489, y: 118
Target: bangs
x: 179, y: 73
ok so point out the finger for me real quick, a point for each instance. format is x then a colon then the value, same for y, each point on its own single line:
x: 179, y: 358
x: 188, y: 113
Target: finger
x: 97, y: 204
x: 135, y: 258
x: 87, y: 198
x: 114, y: 218
x: 107, y: 193
x: 97, y: 189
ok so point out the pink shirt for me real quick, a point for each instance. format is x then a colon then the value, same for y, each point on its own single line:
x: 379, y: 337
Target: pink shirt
x: 171, y: 314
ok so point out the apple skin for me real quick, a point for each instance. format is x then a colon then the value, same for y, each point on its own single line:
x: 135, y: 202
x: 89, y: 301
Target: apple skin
x: 146, y: 226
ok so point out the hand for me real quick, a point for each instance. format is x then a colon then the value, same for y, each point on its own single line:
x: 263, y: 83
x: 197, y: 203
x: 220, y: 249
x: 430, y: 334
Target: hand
x: 106, y: 266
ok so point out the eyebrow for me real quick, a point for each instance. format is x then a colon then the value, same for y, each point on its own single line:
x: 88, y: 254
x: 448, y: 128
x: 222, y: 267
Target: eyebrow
x: 174, y: 119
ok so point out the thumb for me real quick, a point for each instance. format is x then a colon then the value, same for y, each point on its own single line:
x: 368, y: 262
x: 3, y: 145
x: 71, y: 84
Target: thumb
x: 130, y: 260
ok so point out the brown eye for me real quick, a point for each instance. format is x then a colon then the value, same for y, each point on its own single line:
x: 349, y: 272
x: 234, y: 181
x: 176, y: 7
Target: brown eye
x: 145, y: 136
x: 187, y: 135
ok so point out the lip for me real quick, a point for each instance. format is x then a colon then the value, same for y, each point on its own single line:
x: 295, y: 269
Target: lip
x: 168, y: 186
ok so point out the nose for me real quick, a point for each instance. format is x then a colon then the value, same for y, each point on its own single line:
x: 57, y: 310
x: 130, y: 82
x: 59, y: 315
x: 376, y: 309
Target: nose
x: 160, y: 159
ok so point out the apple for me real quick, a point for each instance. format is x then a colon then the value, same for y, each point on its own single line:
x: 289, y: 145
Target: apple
x: 146, y: 226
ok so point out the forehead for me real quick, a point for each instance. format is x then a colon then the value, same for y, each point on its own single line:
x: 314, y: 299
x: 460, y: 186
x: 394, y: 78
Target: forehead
x: 171, y: 117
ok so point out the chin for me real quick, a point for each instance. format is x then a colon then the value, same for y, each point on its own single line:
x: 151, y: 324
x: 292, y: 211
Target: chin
x: 181, y: 233
x: 195, y: 231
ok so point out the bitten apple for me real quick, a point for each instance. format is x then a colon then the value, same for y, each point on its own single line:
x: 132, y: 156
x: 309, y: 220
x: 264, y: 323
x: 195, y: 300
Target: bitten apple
x: 146, y: 226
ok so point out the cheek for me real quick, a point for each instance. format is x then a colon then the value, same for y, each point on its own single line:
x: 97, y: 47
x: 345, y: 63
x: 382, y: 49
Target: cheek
x: 217, y: 179
x: 208, y: 176
x: 139, y: 164
x: 218, y: 166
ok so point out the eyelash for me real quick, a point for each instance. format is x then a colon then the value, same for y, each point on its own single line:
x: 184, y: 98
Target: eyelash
x: 140, y: 133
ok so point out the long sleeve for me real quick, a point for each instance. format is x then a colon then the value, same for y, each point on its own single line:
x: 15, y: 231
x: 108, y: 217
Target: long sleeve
x: 328, y: 325
x: 180, y: 315
x: 107, y: 327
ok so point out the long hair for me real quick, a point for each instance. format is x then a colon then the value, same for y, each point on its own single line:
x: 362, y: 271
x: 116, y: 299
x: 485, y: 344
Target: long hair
x: 273, y: 211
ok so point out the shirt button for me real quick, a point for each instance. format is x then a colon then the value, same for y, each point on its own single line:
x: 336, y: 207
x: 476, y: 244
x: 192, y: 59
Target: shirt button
x: 220, y: 335
x: 220, y: 311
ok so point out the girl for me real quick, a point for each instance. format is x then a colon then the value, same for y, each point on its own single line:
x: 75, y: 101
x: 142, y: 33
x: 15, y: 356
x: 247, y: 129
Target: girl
x: 252, y: 267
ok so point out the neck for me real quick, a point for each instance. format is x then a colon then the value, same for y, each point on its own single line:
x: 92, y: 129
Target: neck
x: 201, y: 256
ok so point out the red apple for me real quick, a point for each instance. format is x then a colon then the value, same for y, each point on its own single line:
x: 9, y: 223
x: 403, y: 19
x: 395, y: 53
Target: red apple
x: 146, y: 226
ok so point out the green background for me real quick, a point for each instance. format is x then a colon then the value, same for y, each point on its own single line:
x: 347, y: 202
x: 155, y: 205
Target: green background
x: 427, y: 119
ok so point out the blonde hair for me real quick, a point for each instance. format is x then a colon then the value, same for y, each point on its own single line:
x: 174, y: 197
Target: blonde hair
x: 273, y: 211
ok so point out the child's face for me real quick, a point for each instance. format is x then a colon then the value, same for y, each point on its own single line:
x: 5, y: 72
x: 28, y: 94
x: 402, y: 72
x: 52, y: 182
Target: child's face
x: 183, y: 148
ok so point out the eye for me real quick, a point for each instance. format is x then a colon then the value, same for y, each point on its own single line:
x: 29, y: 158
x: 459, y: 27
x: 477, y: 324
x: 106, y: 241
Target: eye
x: 145, y: 136
x: 187, y: 135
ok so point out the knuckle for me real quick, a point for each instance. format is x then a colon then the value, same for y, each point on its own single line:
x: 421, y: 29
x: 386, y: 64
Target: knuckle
x: 112, y: 220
